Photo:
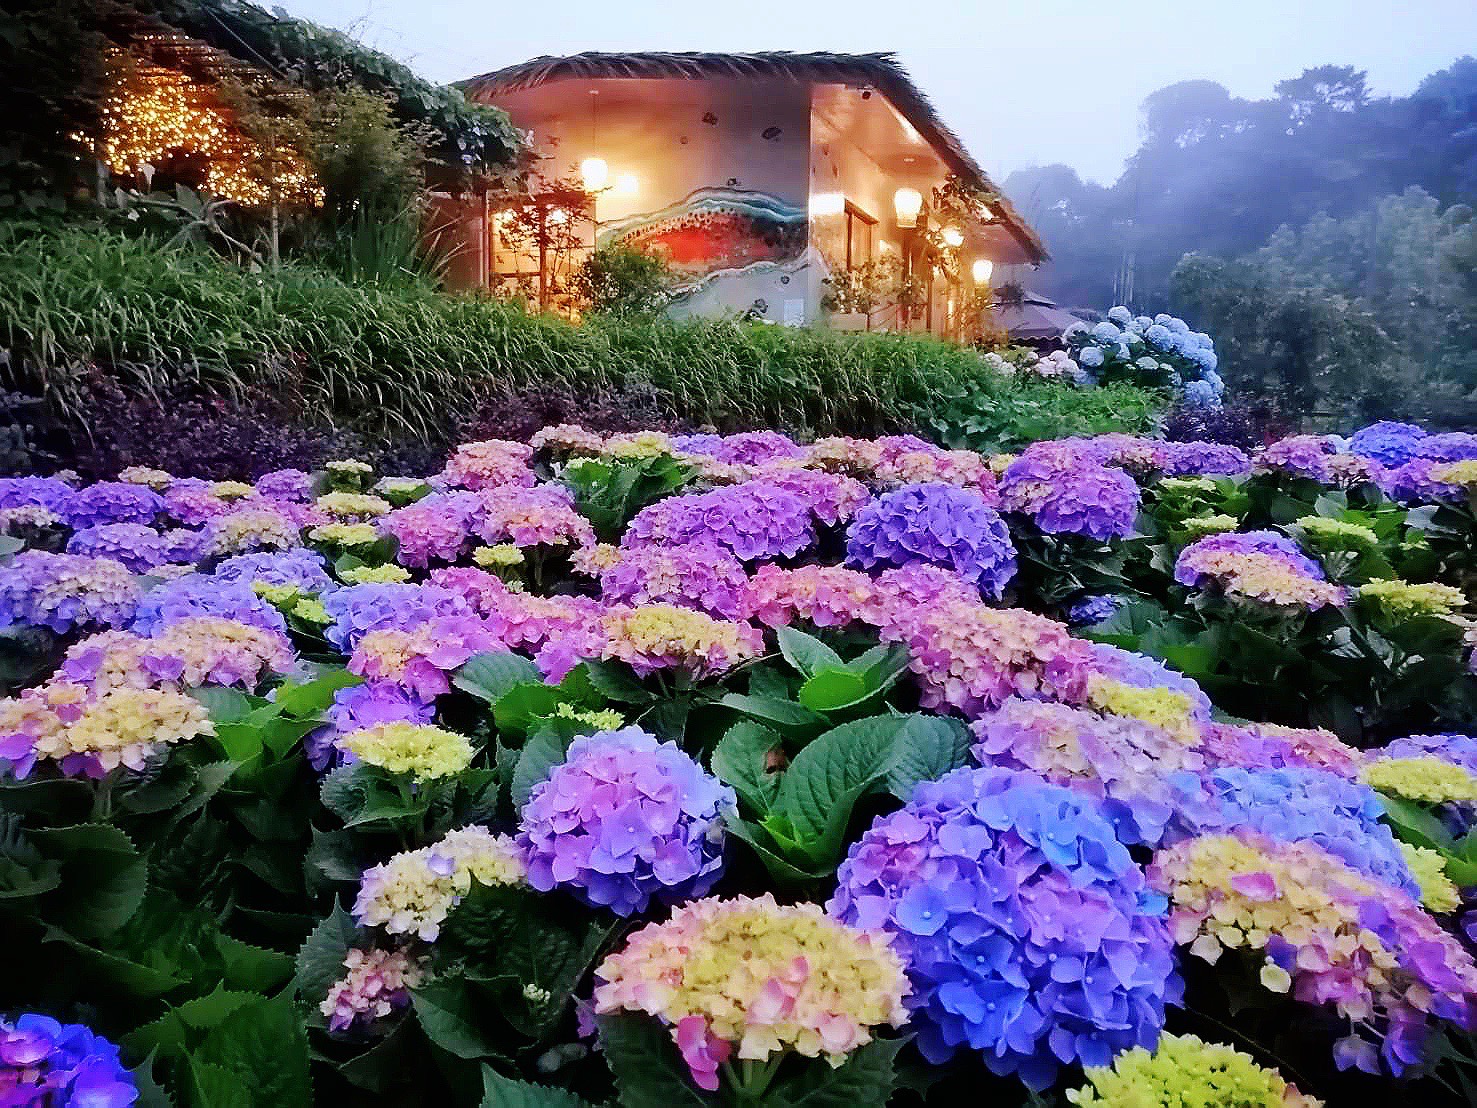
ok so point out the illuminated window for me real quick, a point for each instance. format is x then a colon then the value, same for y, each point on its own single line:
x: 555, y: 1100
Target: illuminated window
x: 859, y: 235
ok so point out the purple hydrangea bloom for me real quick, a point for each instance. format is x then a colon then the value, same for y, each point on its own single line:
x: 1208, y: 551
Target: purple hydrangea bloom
x: 182, y: 545
x: 1449, y: 446
x: 706, y: 445
x: 699, y: 576
x: 40, y: 492
x: 756, y: 520
x: 45, y: 1062
x: 65, y: 591
x: 1028, y: 930
x: 193, y: 502
x: 1245, y: 542
x: 138, y: 547
x: 1293, y: 805
x: 623, y: 820
x: 1066, y: 491
x: 938, y: 524
x: 1300, y: 456
x: 1412, y: 483
x: 1202, y: 459
x: 301, y: 568
x: 1092, y: 610
x: 754, y: 448
x: 358, y: 707
x: 111, y: 502
x: 1387, y: 442
x: 1143, y: 672
x: 291, y: 486
x: 372, y: 607
x: 1451, y: 747
x: 200, y: 594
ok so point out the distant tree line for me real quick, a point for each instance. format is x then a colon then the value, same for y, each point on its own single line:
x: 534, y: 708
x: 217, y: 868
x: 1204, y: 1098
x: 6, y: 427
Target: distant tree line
x: 1325, y: 236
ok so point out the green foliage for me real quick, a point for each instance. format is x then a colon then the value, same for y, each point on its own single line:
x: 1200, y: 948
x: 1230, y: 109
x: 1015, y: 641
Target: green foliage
x: 388, y: 358
x: 991, y: 416
x: 620, y: 281
x: 610, y: 491
x: 369, y: 163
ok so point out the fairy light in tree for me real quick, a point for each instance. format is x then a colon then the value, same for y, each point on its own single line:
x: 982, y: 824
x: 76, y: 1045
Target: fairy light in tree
x: 155, y: 116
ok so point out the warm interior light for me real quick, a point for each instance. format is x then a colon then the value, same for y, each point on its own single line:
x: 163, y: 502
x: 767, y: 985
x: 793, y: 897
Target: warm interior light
x: 953, y: 236
x: 626, y: 184
x: 558, y: 217
x: 981, y: 270
x: 595, y: 173
x: 827, y: 203
x: 906, y: 204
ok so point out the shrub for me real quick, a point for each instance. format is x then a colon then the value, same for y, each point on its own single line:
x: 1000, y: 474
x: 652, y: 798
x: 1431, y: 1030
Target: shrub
x: 619, y: 281
x: 395, y: 359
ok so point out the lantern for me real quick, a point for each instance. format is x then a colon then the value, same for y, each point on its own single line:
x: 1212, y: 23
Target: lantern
x: 953, y: 236
x: 907, y: 203
x: 981, y: 270
x: 595, y: 173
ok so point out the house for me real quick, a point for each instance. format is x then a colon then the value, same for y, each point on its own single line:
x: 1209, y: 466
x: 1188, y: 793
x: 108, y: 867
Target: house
x: 791, y: 187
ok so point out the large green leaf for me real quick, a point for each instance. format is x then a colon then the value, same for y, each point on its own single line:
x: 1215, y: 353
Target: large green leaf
x: 741, y: 759
x: 447, y: 1012
x: 806, y: 652
x: 540, y: 755
x: 489, y: 676
x: 315, y: 696
x: 265, y: 1045
x: 648, y: 1070
x: 865, y: 1080
x: 103, y: 878
x: 519, y: 709
x: 786, y: 715
x: 320, y: 962
x: 832, y: 688
x: 830, y: 775
x: 507, y: 1092
x: 175, y: 1033
x: 928, y: 748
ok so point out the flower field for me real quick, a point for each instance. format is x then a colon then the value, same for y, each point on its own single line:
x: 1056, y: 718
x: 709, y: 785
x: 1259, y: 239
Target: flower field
x: 694, y: 770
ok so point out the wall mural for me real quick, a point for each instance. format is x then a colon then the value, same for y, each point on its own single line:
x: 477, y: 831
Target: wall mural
x: 716, y: 231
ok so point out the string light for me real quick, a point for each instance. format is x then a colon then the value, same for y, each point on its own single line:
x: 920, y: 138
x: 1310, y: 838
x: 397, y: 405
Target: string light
x: 154, y: 115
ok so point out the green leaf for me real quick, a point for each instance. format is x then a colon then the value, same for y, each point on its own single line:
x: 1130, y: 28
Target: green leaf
x: 1415, y: 824
x: 103, y: 878
x: 447, y: 1014
x: 833, y: 688
x: 928, y: 748
x: 507, y: 1092
x: 116, y: 970
x: 865, y: 1080
x: 780, y: 868
x: 741, y: 759
x: 540, y: 755
x: 265, y: 1046
x: 254, y: 967
x: 175, y: 1033
x: 519, y: 709
x: 489, y: 676
x: 615, y: 682
x: 830, y: 775
x: 224, y: 705
x: 213, y: 1086
x: 806, y: 652
x: 783, y: 714
x: 315, y: 696
x: 320, y: 962
x: 648, y: 1070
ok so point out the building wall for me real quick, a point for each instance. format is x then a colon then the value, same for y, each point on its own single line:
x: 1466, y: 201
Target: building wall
x: 722, y: 174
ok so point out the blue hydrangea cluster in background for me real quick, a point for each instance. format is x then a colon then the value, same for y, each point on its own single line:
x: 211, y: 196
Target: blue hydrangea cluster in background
x: 45, y: 1062
x: 623, y: 820
x: 936, y: 523
x: 1027, y: 929
x: 1158, y: 351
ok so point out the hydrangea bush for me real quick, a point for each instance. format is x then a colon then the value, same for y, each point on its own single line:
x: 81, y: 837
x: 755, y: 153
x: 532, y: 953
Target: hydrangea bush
x: 738, y: 769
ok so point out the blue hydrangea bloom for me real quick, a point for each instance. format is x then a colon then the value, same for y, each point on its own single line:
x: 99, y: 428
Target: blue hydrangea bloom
x: 625, y: 819
x: 373, y: 607
x: 1106, y: 332
x: 111, y: 502
x: 1387, y: 442
x: 46, y: 1062
x: 138, y: 547
x: 1090, y: 356
x: 200, y: 594
x: 937, y: 523
x: 1092, y: 610
x: 1120, y: 315
x: 37, y: 492
x: 301, y: 568
x: 1027, y: 929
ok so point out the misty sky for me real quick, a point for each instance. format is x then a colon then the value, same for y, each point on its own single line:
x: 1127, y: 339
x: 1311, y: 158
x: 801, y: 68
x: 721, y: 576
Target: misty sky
x: 1024, y: 83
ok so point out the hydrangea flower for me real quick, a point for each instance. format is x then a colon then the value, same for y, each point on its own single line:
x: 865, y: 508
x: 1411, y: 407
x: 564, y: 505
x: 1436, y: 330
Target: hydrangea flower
x: 253, y: 528
x: 37, y: 492
x: 417, y: 750
x: 1145, y: 778
x: 1092, y: 610
x: 1389, y: 443
x: 421, y: 658
x: 1182, y: 1071
x: 489, y: 464
x: 1064, y: 494
x: 436, y: 528
x: 1271, y: 746
x: 939, y: 524
x: 1201, y: 459
x: 110, y: 502
x: 291, y: 486
x: 750, y: 978
x: 707, y: 578
x: 92, y: 735
x: 1325, y: 933
x: 305, y: 570
x: 1027, y: 929
x: 414, y: 892
x: 358, y: 707
x: 138, y: 547
x: 1259, y: 566
x: 652, y: 637
x: 64, y: 591
x: 376, y: 986
x: 1398, y: 601
x: 202, y: 595
x: 540, y: 516
x: 827, y: 596
x: 44, y: 1062
x: 755, y: 520
x: 357, y: 609
x: 1428, y: 779
x: 832, y: 497
x: 202, y: 650
x: 1438, y: 893
x: 1304, y: 456
x: 1449, y: 446
x: 1460, y: 750
x: 625, y: 819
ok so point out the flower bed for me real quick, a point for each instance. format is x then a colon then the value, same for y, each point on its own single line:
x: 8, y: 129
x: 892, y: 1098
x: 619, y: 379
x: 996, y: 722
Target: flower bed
x: 735, y: 770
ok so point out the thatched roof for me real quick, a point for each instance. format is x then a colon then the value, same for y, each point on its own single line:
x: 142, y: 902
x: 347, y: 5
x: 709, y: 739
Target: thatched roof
x: 879, y: 71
